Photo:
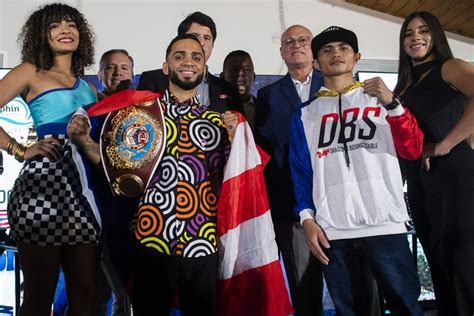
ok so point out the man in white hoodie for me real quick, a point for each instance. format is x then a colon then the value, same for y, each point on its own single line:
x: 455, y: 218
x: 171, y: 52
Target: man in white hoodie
x: 349, y: 197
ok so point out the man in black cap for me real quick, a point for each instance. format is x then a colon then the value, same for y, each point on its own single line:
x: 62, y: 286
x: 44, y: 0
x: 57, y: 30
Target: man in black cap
x: 344, y: 144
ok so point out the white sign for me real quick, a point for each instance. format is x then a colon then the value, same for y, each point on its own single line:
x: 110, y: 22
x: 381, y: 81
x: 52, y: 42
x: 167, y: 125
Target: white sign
x: 7, y: 283
x: 15, y: 119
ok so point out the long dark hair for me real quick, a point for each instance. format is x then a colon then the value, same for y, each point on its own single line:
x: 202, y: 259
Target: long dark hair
x: 35, y: 33
x: 440, y: 50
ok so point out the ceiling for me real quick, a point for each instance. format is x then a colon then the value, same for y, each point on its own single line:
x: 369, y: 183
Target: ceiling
x: 456, y: 16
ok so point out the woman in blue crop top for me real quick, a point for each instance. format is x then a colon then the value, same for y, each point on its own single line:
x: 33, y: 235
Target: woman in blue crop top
x: 52, y: 210
x: 439, y: 91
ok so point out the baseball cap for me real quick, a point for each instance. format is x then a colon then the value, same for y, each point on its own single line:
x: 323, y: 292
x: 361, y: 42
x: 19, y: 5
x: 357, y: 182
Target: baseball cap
x: 334, y: 34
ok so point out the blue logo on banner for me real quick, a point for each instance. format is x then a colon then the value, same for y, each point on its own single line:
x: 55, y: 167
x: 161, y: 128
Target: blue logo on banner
x: 7, y: 262
x: 6, y: 310
x: 16, y: 112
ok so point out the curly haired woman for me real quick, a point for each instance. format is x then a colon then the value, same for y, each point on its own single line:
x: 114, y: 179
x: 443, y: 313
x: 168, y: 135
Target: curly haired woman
x: 52, y: 211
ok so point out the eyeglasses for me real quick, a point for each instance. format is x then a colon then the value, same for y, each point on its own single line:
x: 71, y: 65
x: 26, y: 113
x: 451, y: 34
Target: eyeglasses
x: 291, y: 42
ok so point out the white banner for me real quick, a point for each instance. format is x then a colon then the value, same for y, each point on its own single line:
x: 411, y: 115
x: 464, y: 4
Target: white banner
x: 7, y: 283
x: 15, y: 119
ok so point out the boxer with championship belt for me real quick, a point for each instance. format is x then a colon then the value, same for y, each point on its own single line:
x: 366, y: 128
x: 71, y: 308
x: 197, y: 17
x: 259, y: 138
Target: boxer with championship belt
x: 132, y: 139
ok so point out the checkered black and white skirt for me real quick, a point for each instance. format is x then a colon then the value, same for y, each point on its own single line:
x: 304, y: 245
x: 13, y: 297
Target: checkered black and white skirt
x: 51, y: 203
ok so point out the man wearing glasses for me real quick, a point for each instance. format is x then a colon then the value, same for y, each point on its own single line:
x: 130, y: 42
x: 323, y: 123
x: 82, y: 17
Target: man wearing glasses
x: 275, y: 103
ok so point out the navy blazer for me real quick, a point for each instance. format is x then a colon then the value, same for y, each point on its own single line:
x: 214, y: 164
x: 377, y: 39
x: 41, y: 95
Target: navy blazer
x: 274, y: 107
x: 223, y: 96
x: 276, y: 102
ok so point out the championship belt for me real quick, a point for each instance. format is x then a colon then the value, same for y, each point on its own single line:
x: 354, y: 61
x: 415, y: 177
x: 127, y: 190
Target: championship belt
x: 132, y: 142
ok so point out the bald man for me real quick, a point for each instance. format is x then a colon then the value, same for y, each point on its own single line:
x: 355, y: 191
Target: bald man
x: 275, y: 104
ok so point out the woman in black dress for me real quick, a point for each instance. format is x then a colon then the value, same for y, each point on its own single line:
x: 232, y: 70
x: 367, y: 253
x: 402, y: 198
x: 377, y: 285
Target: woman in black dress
x: 439, y: 90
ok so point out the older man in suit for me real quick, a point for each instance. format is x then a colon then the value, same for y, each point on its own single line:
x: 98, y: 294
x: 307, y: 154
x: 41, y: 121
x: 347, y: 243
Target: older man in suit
x: 213, y: 91
x: 275, y: 104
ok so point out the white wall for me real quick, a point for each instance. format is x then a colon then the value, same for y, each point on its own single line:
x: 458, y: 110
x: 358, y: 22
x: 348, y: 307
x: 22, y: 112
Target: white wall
x: 145, y: 27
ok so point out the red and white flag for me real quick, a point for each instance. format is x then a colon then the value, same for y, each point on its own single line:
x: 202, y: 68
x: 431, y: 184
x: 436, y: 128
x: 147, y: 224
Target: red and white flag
x: 3, y: 219
x: 250, y: 276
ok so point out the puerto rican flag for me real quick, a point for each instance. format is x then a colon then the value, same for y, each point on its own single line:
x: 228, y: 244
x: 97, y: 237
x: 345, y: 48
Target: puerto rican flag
x: 3, y: 219
x: 250, y: 276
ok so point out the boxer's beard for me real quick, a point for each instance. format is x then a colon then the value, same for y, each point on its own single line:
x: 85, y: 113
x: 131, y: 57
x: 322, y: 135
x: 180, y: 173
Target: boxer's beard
x: 185, y: 85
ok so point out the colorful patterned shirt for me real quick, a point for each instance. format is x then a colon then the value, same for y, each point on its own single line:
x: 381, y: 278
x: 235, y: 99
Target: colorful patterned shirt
x: 177, y: 215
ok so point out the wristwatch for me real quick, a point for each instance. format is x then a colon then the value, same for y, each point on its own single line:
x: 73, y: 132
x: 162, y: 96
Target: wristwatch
x: 394, y: 104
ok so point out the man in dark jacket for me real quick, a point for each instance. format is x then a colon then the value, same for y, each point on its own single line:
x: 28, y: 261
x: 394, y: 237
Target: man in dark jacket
x: 216, y: 93
x: 275, y: 104
x: 239, y: 71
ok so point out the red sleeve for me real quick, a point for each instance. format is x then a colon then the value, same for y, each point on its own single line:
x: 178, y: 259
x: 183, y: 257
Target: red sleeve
x: 407, y: 136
